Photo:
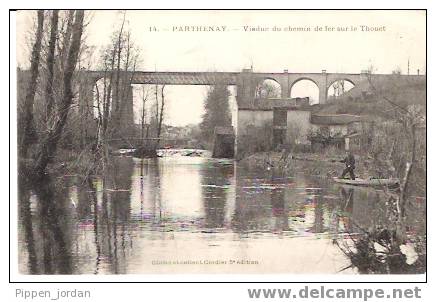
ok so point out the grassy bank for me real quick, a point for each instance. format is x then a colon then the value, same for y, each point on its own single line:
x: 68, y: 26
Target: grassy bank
x: 325, y: 164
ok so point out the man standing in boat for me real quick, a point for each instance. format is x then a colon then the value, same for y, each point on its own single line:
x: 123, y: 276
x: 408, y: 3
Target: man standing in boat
x: 349, y: 162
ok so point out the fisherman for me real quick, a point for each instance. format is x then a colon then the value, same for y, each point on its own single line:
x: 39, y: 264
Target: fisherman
x: 286, y: 151
x: 349, y: 162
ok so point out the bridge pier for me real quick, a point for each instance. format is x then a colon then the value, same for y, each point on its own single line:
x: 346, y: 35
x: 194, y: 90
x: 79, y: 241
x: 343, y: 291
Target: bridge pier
x: 284, y: 85
x: 323, y: 88
x: 127, y: 118
x: 280, y: 124
x: 85, y: 110
x: 122, y: 111
x: 246, y: 88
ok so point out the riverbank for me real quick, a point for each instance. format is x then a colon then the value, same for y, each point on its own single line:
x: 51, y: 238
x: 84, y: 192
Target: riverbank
x: 323, y: 165
x: 86, y: 162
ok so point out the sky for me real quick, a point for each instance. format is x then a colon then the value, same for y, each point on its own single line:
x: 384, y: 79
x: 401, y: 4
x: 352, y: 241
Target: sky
x: 167, y: 43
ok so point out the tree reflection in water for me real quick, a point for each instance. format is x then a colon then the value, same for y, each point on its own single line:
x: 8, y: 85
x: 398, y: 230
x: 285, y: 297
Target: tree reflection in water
x: 47, y: 228
x: 375, y: 247
x: 215, y: 186
x: 111, y: 219
x: 25, y: 213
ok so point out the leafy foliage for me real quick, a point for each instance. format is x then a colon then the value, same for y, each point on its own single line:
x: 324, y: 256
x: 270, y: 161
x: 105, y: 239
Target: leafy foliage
x: 217, y: 111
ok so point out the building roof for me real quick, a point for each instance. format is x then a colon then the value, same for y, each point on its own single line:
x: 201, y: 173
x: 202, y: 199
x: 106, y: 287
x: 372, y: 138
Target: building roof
x: 334, y: 119
x: 224, y: 130
x: 269, y: 104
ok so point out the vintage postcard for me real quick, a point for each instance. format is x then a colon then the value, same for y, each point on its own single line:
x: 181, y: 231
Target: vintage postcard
x: 221, y: 142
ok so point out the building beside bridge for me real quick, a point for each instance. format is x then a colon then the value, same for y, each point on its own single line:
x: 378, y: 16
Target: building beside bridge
x: 343, y: 131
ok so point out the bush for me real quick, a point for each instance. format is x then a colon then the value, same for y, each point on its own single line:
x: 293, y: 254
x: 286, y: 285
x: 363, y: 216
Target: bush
x: 255, y: 139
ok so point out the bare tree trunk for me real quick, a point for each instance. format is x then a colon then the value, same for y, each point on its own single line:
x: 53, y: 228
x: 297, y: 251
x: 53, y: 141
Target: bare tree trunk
x: 48, y: 146
x: 117, y: 81
x: 404, y: 190
x: 408, y: 172
x: 160, y: 120
x: 144, y: 99
x: 100, y: 117
x: 29, y: 133
x: 124, y: 90
x: 66, y: 40
x: 123, y: 86
x: 107, y: 104
x: 50, y: 65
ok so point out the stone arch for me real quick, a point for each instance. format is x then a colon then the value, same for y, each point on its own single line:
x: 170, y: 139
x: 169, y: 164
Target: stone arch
x: 343, y: 85
x: 267, y: 88
x: 314, y: 95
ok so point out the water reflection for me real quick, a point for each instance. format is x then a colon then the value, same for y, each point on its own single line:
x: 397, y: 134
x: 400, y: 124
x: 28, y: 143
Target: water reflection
x: 184, y: 208
x: 373, y: 244
x: 47, y: 229
x: 215, y: 187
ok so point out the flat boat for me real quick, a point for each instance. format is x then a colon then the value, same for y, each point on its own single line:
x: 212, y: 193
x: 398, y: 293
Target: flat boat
x: 369, y: 182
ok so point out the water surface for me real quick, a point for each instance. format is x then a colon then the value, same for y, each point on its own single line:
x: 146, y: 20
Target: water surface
x: 179, y: 214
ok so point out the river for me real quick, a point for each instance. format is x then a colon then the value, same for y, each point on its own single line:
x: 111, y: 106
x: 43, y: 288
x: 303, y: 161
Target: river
x: 181, y: 214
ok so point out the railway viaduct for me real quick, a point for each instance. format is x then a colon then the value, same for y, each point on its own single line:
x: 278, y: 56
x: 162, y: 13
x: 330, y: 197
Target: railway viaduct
x: 246, y: 82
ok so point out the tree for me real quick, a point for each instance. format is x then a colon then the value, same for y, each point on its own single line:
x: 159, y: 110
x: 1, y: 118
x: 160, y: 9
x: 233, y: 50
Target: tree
x: 144, y: 98
x: 29, y: 133
x: 156, y: 114
x: 217, y: 112
x: 48, y: 145
x: 397, y: 70
x: 339, y: 88
x: 402, y: 156
x: 268, y: 89
x: 118, y: 61
x: 50, y: 64
x: 160, y: 106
